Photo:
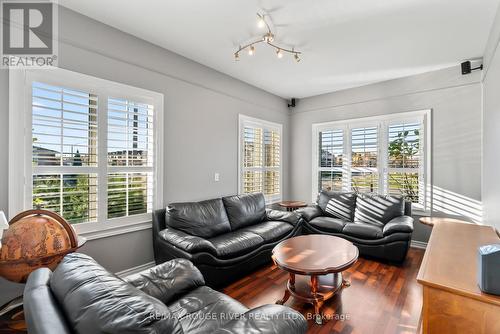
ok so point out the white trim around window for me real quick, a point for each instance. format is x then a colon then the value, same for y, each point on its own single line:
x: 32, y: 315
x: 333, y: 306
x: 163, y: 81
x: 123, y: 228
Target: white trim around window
x: 272, y: 192
x: 21, y: 166
x: 341, y: 138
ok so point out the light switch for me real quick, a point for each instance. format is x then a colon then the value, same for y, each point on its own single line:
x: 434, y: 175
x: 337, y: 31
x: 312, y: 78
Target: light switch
x: 216, y: 177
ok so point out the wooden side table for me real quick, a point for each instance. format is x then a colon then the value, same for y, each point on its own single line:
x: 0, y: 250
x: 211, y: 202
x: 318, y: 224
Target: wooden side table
x: 292, y: 205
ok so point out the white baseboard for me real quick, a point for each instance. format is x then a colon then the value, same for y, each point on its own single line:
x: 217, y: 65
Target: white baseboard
x: 418, y: 244
x: 136, y: 269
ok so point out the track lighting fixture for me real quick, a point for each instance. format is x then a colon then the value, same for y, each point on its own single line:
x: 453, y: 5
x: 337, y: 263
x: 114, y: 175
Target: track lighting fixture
x: 267, y: 38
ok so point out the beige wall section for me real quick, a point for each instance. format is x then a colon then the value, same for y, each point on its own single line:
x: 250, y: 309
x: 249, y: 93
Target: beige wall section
x: 455, y: 101
x: 201, y: 122
x: 491, y: 128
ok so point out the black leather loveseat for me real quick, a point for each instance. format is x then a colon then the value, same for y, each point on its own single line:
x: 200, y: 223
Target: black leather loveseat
x: 225, y: 238
x: 80, y: 296
x: 380, y: 226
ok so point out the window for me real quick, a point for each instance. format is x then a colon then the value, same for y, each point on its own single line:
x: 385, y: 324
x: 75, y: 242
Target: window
x: 384, y: 155
x: 364, y: 159
x: 331, y: 155
x: 260, y: 158
x: 92, y: 154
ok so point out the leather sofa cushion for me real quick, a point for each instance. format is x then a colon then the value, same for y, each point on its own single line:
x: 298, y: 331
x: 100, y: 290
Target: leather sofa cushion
x: 204, y: 219
x: 186, y: 242
x: 96, y: 301
x: 266, y: 319
x: 401, y: 224
x: 328, y: 224
x: 169, y: 280
x: 378, y: 209
x: 42, y: 311
x: 337, y: 204
x: 204, y: 310
x: 234, y: 244
x: 270, y: 231
x: 245, y: 210
x: 363, y: 231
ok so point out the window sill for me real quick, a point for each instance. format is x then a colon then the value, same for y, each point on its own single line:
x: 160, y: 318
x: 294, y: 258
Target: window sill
x: 111, y: 231
x: 420, y: 212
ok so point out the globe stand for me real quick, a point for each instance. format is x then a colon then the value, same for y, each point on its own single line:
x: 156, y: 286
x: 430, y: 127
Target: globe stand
x: 12, y: 317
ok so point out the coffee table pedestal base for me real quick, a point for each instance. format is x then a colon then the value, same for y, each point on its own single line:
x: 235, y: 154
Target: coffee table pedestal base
x: 314, y: 289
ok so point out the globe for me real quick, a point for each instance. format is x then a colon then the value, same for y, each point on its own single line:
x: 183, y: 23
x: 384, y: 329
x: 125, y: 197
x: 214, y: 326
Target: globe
x: 35, y: 239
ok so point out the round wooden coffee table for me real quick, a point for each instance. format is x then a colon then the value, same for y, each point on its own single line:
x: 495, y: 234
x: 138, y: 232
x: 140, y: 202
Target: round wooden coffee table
x: 315, y: 263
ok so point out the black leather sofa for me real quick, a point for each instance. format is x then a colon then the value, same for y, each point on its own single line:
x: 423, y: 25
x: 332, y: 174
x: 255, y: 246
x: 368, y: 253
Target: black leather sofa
x: 80, y: 296
x: 380, y: 226
x: 225, y: 238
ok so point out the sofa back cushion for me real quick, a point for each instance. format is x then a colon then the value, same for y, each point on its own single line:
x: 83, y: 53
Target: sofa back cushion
x: 245, y: 210
x: 205, y: 219
x: 337, y: 204
x: 96, y: 301
x: 42, y: 311
x: 378, y: 209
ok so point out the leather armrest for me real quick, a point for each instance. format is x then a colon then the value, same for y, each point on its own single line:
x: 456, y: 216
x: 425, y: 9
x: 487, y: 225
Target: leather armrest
x: 168, y: 280
x: 310, y: 212
x: 267, y: 319
x: 186, y: 242
x: 399, y: 224
x: 289, y: 217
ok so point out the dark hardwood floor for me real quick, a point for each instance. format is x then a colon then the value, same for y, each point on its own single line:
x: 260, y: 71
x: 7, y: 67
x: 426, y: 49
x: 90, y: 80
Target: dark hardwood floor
x: 382, y: 298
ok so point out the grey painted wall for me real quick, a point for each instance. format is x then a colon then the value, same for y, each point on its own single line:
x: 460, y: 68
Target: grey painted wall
x: 455, y: 101
x: 491, y: 128
x: 201, y: 122
x: 207, y: 103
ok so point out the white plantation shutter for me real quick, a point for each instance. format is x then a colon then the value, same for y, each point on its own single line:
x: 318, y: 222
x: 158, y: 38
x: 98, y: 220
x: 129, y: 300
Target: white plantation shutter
x: 92, y: 151
x: 364, y: 159
x: 405, y: 160
x: 384, y: 155
x: 260, y: 158
x: 64, y: 151
x: 331, y: 160
x: 272, y: 163
x: 130, y: 158
x: 252, y: 160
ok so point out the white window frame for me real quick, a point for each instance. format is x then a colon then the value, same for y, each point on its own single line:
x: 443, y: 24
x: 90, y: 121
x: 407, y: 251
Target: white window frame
x: 382, y: 123
x: 20, y: 145
x: 256, y: 122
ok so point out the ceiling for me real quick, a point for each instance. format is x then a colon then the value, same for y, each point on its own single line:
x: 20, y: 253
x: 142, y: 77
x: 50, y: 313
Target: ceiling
x: 346, y: 43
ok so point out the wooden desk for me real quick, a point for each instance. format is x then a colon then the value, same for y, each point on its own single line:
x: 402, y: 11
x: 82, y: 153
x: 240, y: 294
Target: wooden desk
x: 452, y: 300
x: 431, y: 221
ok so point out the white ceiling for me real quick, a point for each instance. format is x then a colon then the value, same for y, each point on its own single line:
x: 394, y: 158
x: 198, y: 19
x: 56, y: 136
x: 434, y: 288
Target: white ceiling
x: 346, y: 43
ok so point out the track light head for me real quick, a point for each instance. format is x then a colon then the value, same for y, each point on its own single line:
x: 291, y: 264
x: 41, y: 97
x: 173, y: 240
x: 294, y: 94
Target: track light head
x: 236, y: 56
x: 296, y: 57
x: 279, y: 54
x: 261, y: 23
x: 251, y: 50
